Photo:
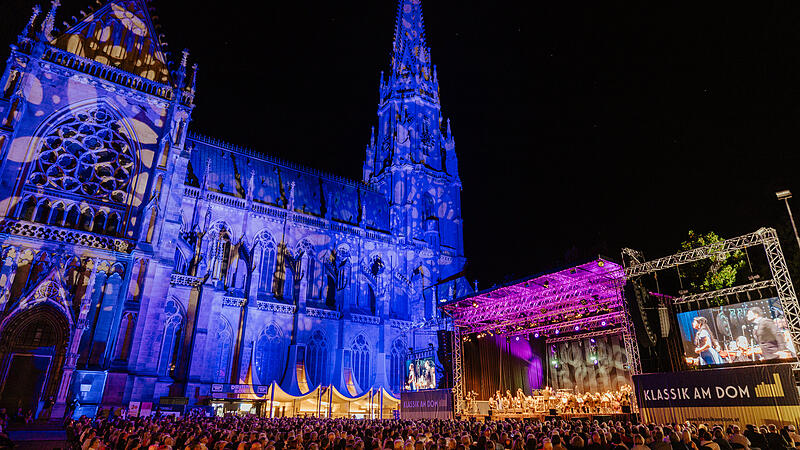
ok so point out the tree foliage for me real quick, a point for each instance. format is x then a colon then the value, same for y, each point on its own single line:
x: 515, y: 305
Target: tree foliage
x: 716, y: 272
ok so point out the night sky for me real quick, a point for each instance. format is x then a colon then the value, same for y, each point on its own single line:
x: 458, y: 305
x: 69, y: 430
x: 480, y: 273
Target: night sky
x: 580, y: 129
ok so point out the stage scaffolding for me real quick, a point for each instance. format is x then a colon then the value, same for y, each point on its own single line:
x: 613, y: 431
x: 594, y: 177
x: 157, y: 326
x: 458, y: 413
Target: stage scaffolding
x: 636, y: 266
x: 573, y: 303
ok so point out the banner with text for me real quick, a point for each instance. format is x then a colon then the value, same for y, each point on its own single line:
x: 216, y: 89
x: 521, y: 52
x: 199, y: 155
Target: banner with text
x: 754, y: 394
x: 430, y: 404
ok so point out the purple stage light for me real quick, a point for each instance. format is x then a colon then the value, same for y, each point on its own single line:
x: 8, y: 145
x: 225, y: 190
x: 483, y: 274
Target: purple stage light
x: 517, y: 338
x: 577, y: 327
x: 557, y: 330
x: 536, y: 335
x: 603, y: 323
x: 592, y: 340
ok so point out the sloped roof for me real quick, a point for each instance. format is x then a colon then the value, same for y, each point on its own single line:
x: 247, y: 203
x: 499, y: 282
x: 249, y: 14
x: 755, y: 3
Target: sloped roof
x: 119, y: 34
x: 315, y: 193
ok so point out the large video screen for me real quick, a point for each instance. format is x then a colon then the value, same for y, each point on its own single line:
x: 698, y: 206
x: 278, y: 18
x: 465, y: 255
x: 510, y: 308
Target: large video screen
x: 420, y: 374
x: 748, y: 332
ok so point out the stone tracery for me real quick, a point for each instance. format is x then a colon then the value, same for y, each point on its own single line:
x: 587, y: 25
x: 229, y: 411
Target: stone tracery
x: 87, y: 153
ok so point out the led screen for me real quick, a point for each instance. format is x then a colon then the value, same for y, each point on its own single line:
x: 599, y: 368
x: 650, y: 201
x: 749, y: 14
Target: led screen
x: 420, y: 374
x: 748, y: 332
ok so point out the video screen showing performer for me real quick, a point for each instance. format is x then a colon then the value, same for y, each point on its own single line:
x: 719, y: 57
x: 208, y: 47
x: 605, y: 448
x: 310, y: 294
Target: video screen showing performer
x: 420, y: 374
x: 751, y: 332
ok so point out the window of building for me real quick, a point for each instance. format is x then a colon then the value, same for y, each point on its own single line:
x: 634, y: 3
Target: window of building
x: 361, y: 359
x: 270, y: 355
x: 316, y: 358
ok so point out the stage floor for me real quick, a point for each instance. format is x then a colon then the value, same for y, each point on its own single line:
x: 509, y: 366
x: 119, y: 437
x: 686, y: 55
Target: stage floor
x: 541, y: 416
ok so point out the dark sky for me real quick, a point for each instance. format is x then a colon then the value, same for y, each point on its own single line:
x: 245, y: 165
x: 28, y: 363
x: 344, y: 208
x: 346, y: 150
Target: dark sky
x: 588, y: 126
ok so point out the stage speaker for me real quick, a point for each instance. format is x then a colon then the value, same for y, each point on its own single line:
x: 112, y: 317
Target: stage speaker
x: 601, y: 417
x: 553, y: 412
x: 626, y: 409
x: 445, y: 354
x: 551, y: 417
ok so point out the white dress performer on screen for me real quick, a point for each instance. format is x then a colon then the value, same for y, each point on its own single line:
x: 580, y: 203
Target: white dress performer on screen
x: 766, y: 333
x: 411, y: 380
x: 705, y: 343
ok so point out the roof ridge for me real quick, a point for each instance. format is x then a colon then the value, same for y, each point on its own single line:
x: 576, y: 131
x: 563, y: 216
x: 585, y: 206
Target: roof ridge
x: 280, y: 161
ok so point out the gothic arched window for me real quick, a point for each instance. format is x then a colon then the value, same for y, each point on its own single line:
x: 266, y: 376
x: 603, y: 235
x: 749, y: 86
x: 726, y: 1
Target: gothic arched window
x: 57, y: 214
x: 427, y: 207
x: 170, y: 345
x: 264, y: 262
x: 27, y: 209
x: 42, y: 212
x: 270, y: 353
x: 316, y: 358
x: 397, y: 365
x: 87, y: 153
x: 361, y: 358
x: 224, y: 340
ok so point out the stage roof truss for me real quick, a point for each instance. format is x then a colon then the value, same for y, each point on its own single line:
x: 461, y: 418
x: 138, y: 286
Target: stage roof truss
x: 587, y: 335
x: 642, y: 267
x: 577, y: 293
x: 588, y: 296
x: 757, y: 286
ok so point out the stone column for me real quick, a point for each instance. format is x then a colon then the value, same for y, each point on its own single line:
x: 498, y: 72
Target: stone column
x: 72, y: 352
x: 11, y: 263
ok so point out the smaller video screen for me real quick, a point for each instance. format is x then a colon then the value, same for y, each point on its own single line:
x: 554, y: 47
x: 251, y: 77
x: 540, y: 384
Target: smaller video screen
x: 420, y: 374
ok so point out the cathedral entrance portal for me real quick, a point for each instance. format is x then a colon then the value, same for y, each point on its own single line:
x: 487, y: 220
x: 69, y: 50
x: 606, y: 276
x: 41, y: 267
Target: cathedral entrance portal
x: 32, y: 351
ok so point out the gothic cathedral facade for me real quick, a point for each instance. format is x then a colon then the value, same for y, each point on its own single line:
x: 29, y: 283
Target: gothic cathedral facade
x: 141, y: 260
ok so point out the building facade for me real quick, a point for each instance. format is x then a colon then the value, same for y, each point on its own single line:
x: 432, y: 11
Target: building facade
x: 141, y: 260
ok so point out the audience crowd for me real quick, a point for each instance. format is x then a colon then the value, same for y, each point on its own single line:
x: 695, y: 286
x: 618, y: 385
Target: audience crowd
x: 253, y: 433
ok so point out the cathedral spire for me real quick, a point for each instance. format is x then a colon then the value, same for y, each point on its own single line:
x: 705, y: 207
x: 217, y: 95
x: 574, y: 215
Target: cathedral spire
x: 411, y: 56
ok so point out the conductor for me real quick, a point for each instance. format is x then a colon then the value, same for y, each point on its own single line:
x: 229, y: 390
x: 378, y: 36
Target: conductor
x: 765, y: 332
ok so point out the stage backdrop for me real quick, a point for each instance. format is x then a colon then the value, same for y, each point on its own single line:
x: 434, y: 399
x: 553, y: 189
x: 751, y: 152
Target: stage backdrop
x: 572, y: 365
x: 497, y: 363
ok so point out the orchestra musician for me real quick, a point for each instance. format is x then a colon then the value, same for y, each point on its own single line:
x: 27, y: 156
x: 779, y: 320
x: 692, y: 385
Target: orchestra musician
x: 606, y: 402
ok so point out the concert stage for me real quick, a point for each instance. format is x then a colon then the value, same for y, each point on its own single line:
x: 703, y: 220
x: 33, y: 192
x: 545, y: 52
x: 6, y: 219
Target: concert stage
x: 569, y: 330
x: 541, y: 417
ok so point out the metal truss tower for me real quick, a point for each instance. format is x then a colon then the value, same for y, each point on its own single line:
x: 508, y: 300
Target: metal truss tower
x: 636, y: 266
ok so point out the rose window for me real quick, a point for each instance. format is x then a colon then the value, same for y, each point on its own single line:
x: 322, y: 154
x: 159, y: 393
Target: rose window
x: 87, y: 154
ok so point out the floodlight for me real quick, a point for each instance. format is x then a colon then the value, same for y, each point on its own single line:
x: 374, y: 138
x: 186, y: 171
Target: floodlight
x: 783, y: 195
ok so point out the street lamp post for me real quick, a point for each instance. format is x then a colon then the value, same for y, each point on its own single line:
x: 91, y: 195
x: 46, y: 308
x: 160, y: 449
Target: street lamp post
x: 785, y: 195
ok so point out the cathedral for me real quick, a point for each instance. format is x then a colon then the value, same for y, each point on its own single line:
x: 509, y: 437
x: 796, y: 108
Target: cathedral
x: 143, y: 260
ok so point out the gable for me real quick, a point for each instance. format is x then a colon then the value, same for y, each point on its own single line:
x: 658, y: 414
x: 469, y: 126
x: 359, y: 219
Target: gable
x: 121, y: 35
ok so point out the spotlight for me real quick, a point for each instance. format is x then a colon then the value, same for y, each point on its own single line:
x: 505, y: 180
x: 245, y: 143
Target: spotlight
x: 536, y: 335
x: 603, y: 323
x: 474, y: 304
x: 592, y: 340
x: 596, y: 362
x: 517, y: 338
x: 577, y: 327
x: 557, y: 330
x: 601, y: 263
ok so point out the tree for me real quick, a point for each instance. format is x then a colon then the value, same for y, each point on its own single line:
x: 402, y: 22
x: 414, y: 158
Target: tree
x: 716, y: 272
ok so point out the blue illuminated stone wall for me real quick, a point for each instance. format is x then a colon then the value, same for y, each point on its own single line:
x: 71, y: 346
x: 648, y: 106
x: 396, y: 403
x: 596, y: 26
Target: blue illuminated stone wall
x: 171, y: 261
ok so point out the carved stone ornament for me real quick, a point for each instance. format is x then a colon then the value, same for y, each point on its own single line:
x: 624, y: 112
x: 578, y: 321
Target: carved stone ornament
x: 86, y: 153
